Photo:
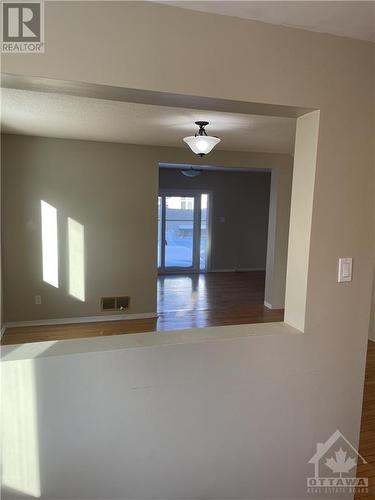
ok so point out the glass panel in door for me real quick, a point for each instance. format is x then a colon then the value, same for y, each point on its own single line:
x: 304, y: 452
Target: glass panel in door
x: 160, y: 225
x: 179, y: 232
x: 203, y: 233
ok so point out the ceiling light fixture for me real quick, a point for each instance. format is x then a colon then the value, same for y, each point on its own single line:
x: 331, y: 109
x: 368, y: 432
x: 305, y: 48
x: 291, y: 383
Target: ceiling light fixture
x: 191, y: 172
x: 201, y: 143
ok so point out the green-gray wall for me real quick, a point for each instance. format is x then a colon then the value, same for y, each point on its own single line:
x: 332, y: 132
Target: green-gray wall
x: 239, y: 219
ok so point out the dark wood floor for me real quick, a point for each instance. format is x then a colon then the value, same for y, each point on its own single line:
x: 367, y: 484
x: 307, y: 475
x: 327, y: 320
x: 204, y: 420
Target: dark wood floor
x: 367, y: 436
x: 188, y: 301
x: 213, y: 299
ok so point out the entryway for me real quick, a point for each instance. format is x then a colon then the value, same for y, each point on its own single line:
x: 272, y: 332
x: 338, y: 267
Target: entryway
x: 212, y: 247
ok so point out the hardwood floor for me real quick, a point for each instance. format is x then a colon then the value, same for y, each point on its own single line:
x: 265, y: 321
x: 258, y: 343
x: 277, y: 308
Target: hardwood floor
x: 213, y: 299
x: 367, y: 436
x: 188, y: 301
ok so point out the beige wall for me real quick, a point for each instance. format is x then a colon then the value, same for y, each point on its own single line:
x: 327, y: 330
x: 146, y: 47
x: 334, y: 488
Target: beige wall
x: 239, y: 214
x: 111, y: 189
x: 372, y: 315
x: 300, y: 219
x: 290, y: 391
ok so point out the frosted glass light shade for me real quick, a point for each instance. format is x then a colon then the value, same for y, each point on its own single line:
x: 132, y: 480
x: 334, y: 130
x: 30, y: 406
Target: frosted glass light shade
x: 191, y: 172
x: 201, y: 144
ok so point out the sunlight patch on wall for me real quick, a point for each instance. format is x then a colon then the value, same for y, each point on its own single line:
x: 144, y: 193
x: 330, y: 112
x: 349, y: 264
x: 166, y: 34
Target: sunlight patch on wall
x: 76, y: 251
x: 50, y: 244
x: 20, y: 428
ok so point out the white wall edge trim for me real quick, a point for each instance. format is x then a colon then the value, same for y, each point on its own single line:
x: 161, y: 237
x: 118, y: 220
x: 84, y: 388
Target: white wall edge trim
x: 273, y: 306
x: 2, y: 331
x: 144, y: 340
x: 82, y: 319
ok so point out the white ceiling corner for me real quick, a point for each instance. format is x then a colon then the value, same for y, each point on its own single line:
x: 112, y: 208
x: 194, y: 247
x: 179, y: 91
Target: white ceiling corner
x: 353, y: 19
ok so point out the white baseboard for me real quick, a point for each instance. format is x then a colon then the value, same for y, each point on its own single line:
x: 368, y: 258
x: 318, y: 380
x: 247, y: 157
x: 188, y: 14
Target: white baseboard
x: 82, y: 319
x: 245, y: 269
x: 221, y: 270
x: 273, y: 306
x: 241, y: 269
x: 2, y: 331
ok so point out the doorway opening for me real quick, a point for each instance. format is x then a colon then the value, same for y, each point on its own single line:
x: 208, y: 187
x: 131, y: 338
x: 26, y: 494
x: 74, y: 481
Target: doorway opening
x: 212, y: 247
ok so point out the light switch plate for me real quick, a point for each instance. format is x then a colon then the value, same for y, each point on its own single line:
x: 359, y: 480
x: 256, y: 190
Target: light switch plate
x: 345, y: 270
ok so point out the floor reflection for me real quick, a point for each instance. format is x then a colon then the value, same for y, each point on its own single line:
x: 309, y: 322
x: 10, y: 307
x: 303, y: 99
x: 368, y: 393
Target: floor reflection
x: 212, y: 299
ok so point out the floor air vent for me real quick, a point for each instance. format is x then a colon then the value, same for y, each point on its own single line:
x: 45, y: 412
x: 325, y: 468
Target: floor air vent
x: 115, y: 303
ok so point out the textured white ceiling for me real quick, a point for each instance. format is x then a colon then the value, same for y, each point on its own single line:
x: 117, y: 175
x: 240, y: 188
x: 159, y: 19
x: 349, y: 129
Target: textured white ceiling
x: 55, y: 115
x: 344, y: 18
